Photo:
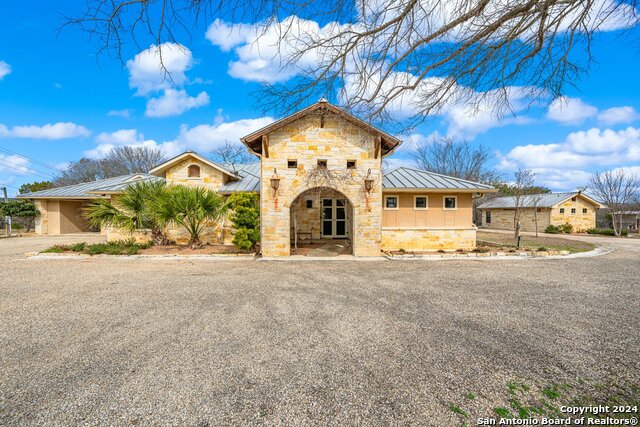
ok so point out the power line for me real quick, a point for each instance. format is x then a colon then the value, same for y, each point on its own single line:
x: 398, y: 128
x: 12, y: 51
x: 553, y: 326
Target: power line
x: 7, y: 185
x: 38, y: 162
x: 21, y: 166
x: 24, y: 169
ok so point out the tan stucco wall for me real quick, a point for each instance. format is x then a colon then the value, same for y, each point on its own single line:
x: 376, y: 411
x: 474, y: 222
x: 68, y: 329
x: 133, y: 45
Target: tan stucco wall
x: 580, y: 221
x: 60, y: 217
x: 209, y: 177
x: 428, y: 239
x: 306, y: 142
x: 435, y: 216
x: 503, y: 219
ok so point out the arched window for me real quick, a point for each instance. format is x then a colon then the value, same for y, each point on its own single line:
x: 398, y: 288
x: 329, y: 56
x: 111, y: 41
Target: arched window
x: 194, y: 171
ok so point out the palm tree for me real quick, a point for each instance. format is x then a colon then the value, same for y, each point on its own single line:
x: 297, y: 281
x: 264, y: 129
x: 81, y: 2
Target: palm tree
x: 131, y: 211
x: 191, y: 207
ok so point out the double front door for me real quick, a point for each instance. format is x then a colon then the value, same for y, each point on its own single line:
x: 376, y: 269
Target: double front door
x: 334, y: 218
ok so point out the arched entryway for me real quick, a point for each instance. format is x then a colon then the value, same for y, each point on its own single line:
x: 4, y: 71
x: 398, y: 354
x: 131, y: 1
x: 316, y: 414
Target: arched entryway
x: 321, y: 221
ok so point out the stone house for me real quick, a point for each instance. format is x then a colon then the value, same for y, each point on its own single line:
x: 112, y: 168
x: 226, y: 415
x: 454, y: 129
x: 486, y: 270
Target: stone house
x: 319, y: 177
x: 575, y: 208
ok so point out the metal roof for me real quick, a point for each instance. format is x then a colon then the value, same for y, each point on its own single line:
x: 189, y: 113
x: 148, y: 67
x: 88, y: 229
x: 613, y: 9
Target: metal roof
x: 250, y: 180
x: 404, y: 178
x: 533, y: 200
x: 85, y: 189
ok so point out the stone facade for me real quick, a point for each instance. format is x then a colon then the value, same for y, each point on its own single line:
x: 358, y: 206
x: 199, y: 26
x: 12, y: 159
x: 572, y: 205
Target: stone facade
x: 210, y: 177
x: 580, y: 219
x: 503, y: 219
x: 306, y: 141
x: 573, y: 213
x: 428, y: 239
x: 306, y: 214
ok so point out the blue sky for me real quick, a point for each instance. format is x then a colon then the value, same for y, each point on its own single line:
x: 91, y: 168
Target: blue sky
x: 60, y: 102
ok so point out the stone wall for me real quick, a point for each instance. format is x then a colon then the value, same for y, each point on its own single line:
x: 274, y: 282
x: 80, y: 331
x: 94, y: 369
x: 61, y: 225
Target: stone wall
x: 580, y: 220
x: 502, y: 219
x: 428, y: 239
x: 210, y: 177
x: 306, y: 141
x: 42, y: 220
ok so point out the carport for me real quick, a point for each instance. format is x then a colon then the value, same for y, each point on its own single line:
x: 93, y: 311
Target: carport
x: 61, y: 216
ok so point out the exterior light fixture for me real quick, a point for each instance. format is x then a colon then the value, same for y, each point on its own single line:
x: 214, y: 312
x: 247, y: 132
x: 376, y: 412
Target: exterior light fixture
x: 275, y: 180
x: 368, y: 182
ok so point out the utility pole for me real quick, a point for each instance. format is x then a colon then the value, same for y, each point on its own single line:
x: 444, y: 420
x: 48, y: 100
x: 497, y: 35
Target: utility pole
x: 7, y: 218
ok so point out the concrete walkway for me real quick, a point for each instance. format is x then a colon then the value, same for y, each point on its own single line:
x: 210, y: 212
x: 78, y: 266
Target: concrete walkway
x: 333, y: 248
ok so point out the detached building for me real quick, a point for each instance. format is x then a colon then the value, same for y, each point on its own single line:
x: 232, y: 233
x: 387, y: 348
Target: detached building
x: 574, y: 208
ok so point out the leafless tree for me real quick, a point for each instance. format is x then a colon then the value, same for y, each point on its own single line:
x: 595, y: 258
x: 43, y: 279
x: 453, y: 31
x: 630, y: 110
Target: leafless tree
x: 118, y: 161
x: 455, y: 158
x: 618, y: 190
x: 378, y: 57
x: 535, y: 201
x: 523, y: 182
x: 125, y: 160
x: 232, y: 154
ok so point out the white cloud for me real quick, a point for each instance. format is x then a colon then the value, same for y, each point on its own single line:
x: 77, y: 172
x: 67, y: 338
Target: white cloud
x: 570, y: 111
x: 205, y: 138
x: 202, y: 138
x: 60, y: 130
x: 120, y: 113
x: 592, y: 148
x: 5, y: 69
x: 175, y: 102
x: 124, y: 137
x: 146, y: 72
x: 162, y: 70
x: 617, y: 115
x: 561, y: 179
x: 58, y: 85
x: 14, y: 164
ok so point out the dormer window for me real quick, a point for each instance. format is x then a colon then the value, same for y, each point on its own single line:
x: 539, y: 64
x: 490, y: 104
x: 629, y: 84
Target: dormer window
x: 193, y: 171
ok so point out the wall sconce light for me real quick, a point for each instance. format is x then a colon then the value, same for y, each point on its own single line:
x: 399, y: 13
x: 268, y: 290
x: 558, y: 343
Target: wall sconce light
x: 275, y: 180
x: 368, y: 182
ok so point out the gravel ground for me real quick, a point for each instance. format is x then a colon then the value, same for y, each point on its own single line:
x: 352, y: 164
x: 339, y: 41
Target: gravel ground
x: 208, y: 343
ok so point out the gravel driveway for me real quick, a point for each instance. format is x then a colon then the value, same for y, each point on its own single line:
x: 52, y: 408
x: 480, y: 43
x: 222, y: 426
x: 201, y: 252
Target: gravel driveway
x: 208, y: 343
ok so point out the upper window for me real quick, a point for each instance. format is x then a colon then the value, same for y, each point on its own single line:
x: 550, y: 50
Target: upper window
x: 488, y: 217
x: 573, y: 199
x: 584, y: 210
x: 292, y: 164
x: 391, y: 202
x: 322, y: 163
x: 573, y: 211
x: 450, y: 202
x: 193, y: 171
x: 351, y: 164
x: 538, y: 209
x: 561, y: 210
x: 420, y: 202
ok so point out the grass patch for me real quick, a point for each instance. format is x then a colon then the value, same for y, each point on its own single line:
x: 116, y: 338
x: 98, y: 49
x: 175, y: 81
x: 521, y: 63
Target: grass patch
x: 119, y: 247
x: 470, y: 396
x: 458, y: 410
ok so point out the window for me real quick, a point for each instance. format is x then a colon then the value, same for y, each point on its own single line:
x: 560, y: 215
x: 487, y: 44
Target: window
x: 450, y: 203
x: 573, y: 211
x: 538, y: 209
x: 309, y: 204
x: 420, y: 202
x: 561, y: 210
x: 351, y: 164
x: 292, y: 164
x: 584, y: 210
x: 573, y: 199
x: 391, y: 202
x: 488, y: 217
x: 193, y: 171
x: 322, y: 163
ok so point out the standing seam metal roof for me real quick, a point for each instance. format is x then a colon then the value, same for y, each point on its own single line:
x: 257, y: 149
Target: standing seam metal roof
x: 407, y: 178
x: 543, y: 201
x: 82, y: 190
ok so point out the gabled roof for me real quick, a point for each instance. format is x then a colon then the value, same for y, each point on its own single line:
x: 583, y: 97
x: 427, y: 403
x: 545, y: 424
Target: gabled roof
x: 158, y: 170
x: 405, y: 178
x: 534, y: 200
x: 88, y: 190
x: 254, y: 140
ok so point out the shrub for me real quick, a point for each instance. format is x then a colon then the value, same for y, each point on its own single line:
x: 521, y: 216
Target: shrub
x: 120, y: 247
x: 566, y: 228
x: 77, y: 247
x: 542, y: 249
x: 602, y: 231
x: 17, y: 226
x: 246, y: 219
x: 552, y: 229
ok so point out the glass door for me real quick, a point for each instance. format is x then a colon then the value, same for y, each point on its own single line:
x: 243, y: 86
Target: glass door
x: 334, y: 218
x: 327, y: 217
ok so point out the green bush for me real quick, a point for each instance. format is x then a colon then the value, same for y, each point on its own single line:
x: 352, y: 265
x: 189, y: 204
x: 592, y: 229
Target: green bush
x: 246, y: 219
x: 17, y: 226
x: 566, y: 228
x: 120, y: 247
x: 552, y: 229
